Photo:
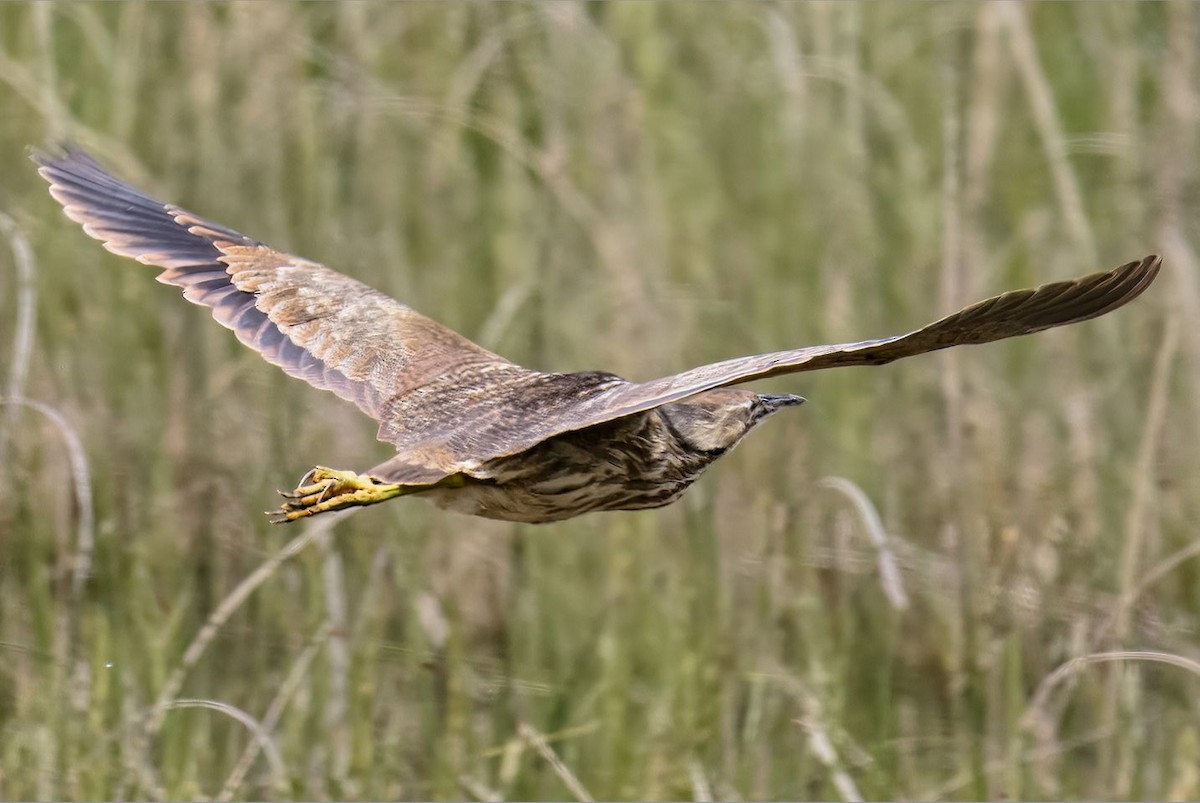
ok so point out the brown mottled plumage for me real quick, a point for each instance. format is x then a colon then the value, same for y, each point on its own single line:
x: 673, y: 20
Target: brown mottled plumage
x: 473, y: 431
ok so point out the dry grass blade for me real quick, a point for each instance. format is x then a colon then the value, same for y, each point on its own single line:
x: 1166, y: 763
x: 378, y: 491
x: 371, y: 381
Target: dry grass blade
x: 814, y: 723
x: 82, y: 483
x: 1158, y: 572
x: 333, y: 576
x: 269, y: 749
x: 997, y: 767
x: 1037, y: 704
x: 1137, y: 525
x: 889, y: 571
x: 701, y: 790
x: 818, y: 742
x: 1144, y: 474
x: 534, y: 738
x: 26, y: 323
x: 1050, y: 129
x: 479, y: 790
x: 290, y: 685
x: 312, y: 532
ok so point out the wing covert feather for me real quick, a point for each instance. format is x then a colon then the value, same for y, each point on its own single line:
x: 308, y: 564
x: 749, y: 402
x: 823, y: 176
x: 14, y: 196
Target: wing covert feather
x: 318, y: 325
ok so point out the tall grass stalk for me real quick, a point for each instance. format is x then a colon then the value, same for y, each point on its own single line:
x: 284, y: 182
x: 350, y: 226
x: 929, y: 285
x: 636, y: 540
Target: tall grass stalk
x: 26, y: 322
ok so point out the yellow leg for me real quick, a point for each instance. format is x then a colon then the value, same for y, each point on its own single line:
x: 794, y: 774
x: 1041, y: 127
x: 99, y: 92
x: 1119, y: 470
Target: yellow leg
x: 324, y: 489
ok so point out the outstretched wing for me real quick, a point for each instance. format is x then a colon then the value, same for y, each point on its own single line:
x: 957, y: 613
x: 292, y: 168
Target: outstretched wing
x: 1016, y: 313
x: 333, y: 332
x: 1019, y: 312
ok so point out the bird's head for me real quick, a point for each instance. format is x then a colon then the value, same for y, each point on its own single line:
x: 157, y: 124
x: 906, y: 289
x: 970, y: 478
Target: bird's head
x: 713, y: 422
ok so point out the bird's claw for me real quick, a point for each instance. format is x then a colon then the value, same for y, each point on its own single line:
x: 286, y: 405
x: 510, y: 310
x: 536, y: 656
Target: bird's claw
x: 323, y: 489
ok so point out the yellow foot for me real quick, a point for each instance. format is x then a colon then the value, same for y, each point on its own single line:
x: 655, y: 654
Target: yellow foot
x: 324, y: 489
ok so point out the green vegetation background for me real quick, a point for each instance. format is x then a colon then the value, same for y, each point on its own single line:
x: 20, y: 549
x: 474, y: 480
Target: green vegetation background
x: 638, y: 187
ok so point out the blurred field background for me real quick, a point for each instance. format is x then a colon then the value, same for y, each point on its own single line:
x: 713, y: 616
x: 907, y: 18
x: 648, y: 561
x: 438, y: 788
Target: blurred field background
x: 638, y: 187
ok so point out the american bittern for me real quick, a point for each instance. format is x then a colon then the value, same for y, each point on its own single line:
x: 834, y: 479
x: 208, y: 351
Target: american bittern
x: 473, y: 432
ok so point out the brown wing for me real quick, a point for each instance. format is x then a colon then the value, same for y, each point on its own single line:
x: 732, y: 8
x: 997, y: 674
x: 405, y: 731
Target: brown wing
x: 1016, y: 313
x: 1019, y: 312
x: 333, y: 332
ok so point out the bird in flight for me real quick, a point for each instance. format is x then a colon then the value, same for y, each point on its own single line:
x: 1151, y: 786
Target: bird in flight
x: 474, y: 432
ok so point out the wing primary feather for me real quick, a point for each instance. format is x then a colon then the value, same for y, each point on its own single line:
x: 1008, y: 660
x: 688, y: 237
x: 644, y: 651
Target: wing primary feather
x: 1007, y: 315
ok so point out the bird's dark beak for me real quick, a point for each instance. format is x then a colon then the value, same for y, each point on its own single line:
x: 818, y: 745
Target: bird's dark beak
x: 776, y: 401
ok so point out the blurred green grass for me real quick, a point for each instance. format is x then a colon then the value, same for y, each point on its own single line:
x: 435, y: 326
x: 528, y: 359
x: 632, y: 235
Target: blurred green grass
x: 638, y: 187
